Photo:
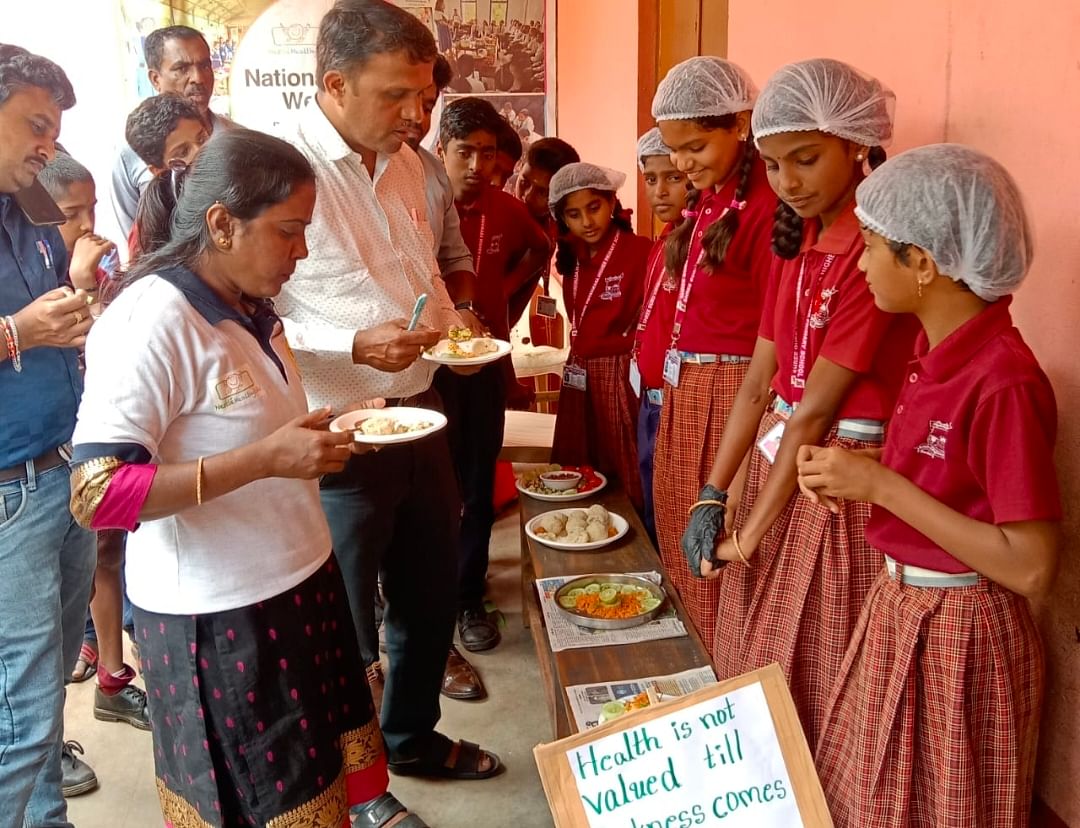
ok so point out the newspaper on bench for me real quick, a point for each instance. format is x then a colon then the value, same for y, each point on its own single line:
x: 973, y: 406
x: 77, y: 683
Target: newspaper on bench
x: 586, y: 700
x: 563, y: 634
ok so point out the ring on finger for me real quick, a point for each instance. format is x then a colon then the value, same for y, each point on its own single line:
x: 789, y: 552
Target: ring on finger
x: 78, y: 316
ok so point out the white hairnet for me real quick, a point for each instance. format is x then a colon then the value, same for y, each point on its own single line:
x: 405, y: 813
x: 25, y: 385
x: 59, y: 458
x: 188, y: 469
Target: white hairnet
x: 828, y: 96
x: 582, y: 176
x: 703, y: 87
x: 960, y: 206
x: 649, y: 145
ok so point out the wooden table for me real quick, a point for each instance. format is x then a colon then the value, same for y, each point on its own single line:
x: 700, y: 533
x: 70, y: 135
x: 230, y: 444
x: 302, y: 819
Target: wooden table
x: 633, y: 553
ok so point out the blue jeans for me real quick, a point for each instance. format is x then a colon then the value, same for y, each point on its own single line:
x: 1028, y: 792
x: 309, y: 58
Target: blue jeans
x: 647, y: 423
x: 46, y: 570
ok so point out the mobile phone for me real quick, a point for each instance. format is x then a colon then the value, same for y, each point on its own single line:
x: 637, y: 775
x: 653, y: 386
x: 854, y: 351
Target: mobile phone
x: 38, y: 206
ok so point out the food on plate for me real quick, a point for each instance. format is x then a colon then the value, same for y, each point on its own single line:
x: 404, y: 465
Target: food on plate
x: 461, y: 344
x: 384, y: 426
x: 611, y: 601
x: 531, y: 480
x: 614, y: 709
x: 578, y: 526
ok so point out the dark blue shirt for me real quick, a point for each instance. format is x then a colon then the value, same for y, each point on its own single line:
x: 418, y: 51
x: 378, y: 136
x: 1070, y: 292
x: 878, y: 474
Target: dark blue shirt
x: 38, y: 406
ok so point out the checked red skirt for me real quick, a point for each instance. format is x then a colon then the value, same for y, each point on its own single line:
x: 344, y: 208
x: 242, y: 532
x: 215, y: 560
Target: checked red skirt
x: 738, y: 580
x: 598, y: 426
x: 935, y: 717
x: 808, y: 592
x: 687, y: 440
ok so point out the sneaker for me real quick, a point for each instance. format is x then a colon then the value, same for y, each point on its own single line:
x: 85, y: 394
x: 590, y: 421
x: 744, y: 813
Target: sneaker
x: 129, y: 705
x: 79, y: 777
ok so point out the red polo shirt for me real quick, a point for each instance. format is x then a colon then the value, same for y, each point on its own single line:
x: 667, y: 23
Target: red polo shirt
x: 724, y: 310
x: 509, y: 232
x: 653, y: 342
x: 974, y: 426
x: 607, y: 321
x: 837, y: 319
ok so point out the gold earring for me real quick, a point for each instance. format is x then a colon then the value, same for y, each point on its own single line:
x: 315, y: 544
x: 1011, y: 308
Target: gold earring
x: 859, y: 157
x: 919, y: 288
x: 224, y: 242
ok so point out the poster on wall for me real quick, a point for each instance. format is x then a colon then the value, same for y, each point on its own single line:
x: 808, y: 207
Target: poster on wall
x: 263, y: 54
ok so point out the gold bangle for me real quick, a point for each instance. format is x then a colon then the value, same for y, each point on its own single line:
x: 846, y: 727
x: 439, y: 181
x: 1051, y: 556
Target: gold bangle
x: 738, y: 548
x: 707, y: 503
x: 198, y: 481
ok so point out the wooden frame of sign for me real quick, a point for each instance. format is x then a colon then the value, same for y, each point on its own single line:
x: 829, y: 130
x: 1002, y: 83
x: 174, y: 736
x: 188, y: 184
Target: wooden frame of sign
x: 694, y: 767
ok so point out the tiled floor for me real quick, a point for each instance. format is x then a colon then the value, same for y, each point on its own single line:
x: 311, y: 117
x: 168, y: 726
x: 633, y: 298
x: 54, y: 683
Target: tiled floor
x: 511, y: 721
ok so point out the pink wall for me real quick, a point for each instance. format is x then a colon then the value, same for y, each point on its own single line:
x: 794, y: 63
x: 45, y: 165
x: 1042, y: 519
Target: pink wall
x: 1003, y: 77
x: 596, y: 68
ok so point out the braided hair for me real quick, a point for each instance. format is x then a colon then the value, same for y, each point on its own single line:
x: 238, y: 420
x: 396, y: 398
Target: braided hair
x: 566, y: 260
x: 788, y: 225
x: 718, y: 237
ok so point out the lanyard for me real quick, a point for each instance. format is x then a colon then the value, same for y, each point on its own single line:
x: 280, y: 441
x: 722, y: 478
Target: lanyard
x: 656, y: 272
x: 579, y: 310
x: 799, y: 345
x: 689, y: 276
x: 479, y: 255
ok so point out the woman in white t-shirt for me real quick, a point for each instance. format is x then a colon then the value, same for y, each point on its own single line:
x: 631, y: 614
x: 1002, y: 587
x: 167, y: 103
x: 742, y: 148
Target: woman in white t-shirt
x: 194, y: 434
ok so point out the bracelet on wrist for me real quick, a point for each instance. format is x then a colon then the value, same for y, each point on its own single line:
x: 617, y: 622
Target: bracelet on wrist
x: 738, y: 547
x: 11, y: 342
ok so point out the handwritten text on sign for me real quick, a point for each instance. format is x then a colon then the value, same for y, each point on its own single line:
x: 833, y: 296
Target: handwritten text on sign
x: 716, y: 763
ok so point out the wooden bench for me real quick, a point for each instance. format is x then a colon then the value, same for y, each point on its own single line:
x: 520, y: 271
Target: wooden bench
x: 633, y: 553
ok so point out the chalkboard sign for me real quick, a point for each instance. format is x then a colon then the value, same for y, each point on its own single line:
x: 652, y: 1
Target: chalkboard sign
x: 732, y: 754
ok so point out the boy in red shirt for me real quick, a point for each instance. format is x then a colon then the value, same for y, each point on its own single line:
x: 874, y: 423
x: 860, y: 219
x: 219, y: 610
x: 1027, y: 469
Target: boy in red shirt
x: 935, y: 717
x: 509, y: 251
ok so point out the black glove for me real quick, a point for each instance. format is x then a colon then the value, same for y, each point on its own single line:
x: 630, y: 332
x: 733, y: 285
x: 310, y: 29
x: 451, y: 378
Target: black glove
x: 705, y: 529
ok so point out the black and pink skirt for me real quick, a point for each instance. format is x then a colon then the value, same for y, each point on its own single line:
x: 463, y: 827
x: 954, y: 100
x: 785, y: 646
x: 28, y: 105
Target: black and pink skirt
x: 262, y: 715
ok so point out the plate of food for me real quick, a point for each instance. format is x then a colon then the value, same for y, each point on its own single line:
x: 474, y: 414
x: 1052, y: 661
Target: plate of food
x: 610, y: 602
x: 577, y: 530
x: 385, y: 426
x: 541, y: 483
x: 461, y: 347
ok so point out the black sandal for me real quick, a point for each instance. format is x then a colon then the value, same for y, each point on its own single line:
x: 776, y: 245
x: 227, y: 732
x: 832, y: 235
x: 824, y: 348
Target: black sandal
x: 381, y: 810
x: 466, y: 763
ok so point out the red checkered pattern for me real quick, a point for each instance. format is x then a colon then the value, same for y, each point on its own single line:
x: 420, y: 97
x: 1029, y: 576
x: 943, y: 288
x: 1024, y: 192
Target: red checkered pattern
x: 737, y: 583
x: 935, y: 717
x: 809, y: 589
x: 599, y: 426
x: 687, y: 440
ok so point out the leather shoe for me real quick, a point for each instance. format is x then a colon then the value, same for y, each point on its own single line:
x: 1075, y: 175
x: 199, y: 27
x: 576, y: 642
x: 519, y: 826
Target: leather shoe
x: 460, y: 681
x: 477, y: 631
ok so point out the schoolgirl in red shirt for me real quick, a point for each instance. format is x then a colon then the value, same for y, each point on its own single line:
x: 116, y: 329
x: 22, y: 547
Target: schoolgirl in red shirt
x: 603, y: 265
x: 717, y: 261
x: 935, y: 717
x: 826, y: 367
x: 665, y: 188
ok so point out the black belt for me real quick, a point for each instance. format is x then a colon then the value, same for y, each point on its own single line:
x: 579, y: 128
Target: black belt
x: 42, y: 463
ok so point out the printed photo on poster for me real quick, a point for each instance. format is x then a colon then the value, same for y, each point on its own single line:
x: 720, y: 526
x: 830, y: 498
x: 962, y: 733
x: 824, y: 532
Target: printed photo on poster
x: 525, y: 113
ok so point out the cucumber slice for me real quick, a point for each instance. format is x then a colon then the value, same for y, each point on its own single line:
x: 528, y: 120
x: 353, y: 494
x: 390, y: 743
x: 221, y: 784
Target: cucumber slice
x: 628, y: 589
x: 575, y: 593
x: 650, y: 603
x: 609, y: 596
x: 568, y: 602
x: 592, y: 589
x: 614, y: 587
x: 612, y: 710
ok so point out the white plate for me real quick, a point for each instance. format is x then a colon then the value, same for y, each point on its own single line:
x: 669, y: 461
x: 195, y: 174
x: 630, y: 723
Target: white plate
x: 618, y: 521
x: 564, y: 498
x: 408, y: 416
x: 503, y: 346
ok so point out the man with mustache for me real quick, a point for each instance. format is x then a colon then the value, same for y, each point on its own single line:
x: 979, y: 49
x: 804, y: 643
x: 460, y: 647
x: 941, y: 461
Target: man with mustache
x: 177, y: 61
x: 346, y: 314
x: 46, y: 559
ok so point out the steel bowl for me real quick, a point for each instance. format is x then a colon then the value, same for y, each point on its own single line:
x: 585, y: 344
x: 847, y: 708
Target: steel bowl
x: 589, y: 622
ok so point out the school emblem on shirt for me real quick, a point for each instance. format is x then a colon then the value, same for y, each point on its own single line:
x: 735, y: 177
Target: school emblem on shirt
x: 234, y: 388
x: 934, y: 445
x: 820, y: 318
x: 495, y: 245
x: 612, y: 287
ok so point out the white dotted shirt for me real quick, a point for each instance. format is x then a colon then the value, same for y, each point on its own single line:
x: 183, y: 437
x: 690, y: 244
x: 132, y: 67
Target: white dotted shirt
x: 370, y: 254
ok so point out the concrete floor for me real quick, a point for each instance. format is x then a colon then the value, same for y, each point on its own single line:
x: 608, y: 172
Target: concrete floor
x: 511, y: 721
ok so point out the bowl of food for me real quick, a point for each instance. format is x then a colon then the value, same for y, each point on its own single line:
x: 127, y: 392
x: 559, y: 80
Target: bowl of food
x: 385, y: 426
x: 562, y: 480
x: 590, y: 482
x: 610, y: 602
x: 577, y: 530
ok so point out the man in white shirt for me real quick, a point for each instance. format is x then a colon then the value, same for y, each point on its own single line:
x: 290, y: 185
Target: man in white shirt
x: 177, y: 61
x: 345, y: 312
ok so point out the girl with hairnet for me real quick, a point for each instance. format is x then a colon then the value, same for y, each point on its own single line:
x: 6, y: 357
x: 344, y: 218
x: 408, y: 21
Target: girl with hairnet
x: 826, y: 368
x: 718, y: 262
x: 665, y: 188
x: 602, y: 263
x: 935, y: 717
